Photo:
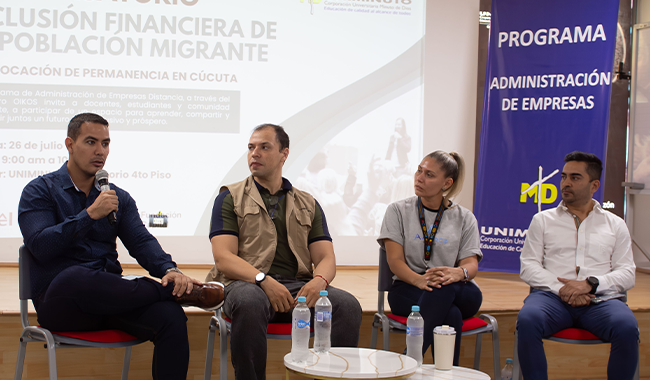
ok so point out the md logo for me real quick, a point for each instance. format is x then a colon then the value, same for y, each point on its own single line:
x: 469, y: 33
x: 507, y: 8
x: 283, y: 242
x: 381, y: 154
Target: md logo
x: 542, y: 193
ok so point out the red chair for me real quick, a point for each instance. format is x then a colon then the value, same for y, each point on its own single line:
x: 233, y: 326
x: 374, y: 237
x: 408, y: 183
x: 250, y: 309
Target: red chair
x: 572, y: 336
x: 54, y: 340
x: 221, y: 323
x: 391, y: 323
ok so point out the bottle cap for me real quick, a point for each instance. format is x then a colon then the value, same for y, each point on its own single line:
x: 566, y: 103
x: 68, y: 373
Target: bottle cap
x: 302, y: 299
x: 415, y: 308
x: 508, y: 361
x: 323, y: 293
x: 444, y: 330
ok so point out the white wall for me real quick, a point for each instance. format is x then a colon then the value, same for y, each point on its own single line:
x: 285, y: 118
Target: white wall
x: 643, y: 11
x: 451, y: 66
x: 638, y: 218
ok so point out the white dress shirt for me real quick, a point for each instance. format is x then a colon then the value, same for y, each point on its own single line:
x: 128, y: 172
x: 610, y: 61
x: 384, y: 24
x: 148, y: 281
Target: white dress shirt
x: 600, y: 247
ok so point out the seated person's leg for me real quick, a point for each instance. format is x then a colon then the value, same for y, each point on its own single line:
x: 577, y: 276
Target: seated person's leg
x: 466, y: 304
x: 346, y: 314
x: 468, y: 299
x: 613, y: 321
x: 165, y: 324
x: 543, y: 314
x: 434, y: 305
x: 346, y: 318
x: 454, y: 319
x: 402, y: 297
x: 250, y: 310
x: 78, y: 298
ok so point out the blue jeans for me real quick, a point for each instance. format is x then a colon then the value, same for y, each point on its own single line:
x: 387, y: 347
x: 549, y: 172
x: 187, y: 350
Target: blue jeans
x: 448, y: 305
x: 250, y: 310
x: 82, y: 299
x: 544, y: 314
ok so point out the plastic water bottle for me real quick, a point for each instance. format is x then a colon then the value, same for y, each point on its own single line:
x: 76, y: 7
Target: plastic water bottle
x: 506, y: 372
x: 300, y: 331
x: 415, y: 334
x: 322, y: 323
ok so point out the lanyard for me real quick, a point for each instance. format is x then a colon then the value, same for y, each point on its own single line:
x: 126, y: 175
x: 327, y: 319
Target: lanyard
x: 428, y: 239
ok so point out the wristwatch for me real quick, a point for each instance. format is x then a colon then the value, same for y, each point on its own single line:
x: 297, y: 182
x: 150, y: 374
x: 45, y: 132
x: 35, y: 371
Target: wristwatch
x: 466, y: 274
x: 593, y: 281
x: 173, y: 269
x: 259, y: 278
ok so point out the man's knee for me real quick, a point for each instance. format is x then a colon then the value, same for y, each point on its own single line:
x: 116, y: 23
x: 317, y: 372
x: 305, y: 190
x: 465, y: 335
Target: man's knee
x: 346, y: 306
x: 244, y: 299
x: 348, y: 302
x: 624, y: 326
x: 529, y: 318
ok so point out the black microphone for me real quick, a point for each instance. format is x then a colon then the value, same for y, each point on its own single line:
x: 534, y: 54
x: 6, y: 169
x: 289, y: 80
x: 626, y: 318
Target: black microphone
x: 102, y: 179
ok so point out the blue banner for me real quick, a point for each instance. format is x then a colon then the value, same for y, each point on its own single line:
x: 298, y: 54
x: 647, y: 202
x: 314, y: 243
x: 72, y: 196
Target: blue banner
x: 547, y: 90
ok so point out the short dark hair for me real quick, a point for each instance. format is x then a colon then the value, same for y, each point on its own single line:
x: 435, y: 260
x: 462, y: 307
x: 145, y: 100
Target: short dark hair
x: 280, y: 134
x: 594, y: 165
x: 74, y: 127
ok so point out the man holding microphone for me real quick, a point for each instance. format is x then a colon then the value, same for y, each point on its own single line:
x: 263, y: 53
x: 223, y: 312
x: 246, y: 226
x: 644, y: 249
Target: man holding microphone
x: 76, y: 276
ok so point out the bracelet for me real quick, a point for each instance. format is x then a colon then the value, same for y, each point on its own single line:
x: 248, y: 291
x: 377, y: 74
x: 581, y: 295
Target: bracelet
x: 324, y: 279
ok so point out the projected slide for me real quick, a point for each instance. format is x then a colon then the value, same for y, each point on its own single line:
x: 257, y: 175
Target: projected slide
x: 183, y: 82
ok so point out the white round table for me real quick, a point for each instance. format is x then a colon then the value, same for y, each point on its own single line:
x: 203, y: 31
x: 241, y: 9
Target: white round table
x: 429, y: 372
x: 353, y: 363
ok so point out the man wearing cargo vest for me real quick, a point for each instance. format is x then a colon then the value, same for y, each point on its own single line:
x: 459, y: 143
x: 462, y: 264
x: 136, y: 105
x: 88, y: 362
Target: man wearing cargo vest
x: 271, y: 244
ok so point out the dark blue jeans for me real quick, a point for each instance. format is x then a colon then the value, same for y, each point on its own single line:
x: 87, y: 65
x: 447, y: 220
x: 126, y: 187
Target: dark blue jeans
x: 250, y: 311
x: 544, y: 314
x: 82, y: 299
x: 448, y: 305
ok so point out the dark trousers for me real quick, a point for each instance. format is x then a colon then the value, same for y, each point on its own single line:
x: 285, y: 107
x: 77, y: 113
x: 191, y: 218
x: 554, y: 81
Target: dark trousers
x: 82, y: 299
x: 544, y: 314
x: 448, y: 305
x: 250, y: 310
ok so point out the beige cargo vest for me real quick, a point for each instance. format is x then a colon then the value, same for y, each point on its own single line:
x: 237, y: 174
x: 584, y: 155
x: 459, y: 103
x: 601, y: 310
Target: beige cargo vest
x: 257, y: 236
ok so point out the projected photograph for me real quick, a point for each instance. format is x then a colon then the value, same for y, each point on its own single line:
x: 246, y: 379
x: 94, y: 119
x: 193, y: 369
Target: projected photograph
x: 357, y: 174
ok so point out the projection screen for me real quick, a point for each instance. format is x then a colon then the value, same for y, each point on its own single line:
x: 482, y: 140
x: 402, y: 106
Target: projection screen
x: 183, y: 82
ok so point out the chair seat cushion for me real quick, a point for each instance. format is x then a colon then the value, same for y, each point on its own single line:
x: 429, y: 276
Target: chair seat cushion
x: 576, y: 334
x: 473, y: 323
x: 101, y: 336
x: 468, y: 324
x: 273, y: 328
x: 397, y: 318
x: 279, y: 329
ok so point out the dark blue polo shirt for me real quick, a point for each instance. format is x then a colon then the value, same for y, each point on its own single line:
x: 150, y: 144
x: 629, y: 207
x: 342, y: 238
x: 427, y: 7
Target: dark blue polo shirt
x: 59, y: 232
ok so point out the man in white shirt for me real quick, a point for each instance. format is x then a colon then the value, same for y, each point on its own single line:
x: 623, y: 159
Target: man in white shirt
x: 576, y: 257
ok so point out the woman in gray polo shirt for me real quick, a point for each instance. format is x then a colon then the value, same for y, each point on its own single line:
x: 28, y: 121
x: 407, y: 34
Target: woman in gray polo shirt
x: 432, y: 247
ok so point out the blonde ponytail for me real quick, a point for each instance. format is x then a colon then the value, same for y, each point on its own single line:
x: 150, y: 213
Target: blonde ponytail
x: 457, y: 186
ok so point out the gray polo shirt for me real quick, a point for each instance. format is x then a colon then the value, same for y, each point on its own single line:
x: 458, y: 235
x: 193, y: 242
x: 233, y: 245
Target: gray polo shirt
x: 457, y: 236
